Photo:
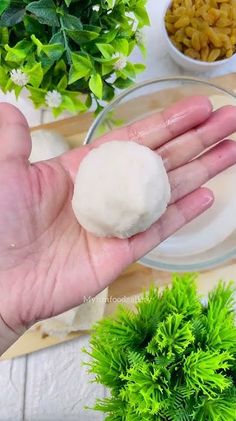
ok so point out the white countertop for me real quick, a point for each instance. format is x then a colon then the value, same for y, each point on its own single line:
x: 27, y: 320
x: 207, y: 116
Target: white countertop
x: 51, y: 384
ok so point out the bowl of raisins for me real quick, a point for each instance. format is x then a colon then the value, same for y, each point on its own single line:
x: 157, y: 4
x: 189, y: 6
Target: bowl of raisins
x: 200, y: 35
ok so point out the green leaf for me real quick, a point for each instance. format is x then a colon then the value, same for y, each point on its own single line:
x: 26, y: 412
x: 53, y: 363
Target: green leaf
x: 82, y: 37
x: 121, y: 46
x: 111, y: 3
x: 123, y: 83
x: 144, y: 378
x: 53, y: 51
x: 173, y: 336
x: 48, y: 80
x: 80, y: 60
x: 63, y: 83
x: 182, y: 297
x: 81, y: 67
x: 3, y: 79
x: 77, y: 74
x: 201, y: 370
x: 12, y: 16
x: 57, y: 38
x: 60, y: 67
x: 92, y: 28
x: 32, y: 26
x: 18, y: 53
x: 139, y: 68
x: 96, y: 85
x: 4, y: 36
x: 17, y: 90
x: 108, y: 37
x: 38, y: 43
x: 108, y: 92
x: 142, y: 16
x: 80, y: 106
x: 107, y: 69
x: 107, y: 61
x: 129, y: 71
x: 68, y: 2
x: 37, y: 96
x: 222, y: 408
x: 57, y: 111
x: 74, y: 96
x: 143, y: 50
x: 219, y: 320
x: 88, y: 101
x: 4, y: 5
x: 71, y: 22
x: 68, y: 104
x: 132, y: 45
x: 35, y: 75
x: 106, y: 50
x: 45, y: 10
x: 9, y: 86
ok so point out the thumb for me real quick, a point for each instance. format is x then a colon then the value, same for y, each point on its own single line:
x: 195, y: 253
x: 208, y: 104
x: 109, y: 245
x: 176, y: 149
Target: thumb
x: 15, y: 140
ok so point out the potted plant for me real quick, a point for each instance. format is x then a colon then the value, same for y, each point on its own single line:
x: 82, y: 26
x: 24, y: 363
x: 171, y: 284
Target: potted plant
x: 173, y: 359
x: 69, y: 54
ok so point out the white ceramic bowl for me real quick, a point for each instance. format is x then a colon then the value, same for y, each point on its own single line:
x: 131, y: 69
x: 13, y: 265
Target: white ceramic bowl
x: 185, y: 61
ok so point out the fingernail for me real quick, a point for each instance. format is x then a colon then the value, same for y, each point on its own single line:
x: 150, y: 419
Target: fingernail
x: 208, y: 199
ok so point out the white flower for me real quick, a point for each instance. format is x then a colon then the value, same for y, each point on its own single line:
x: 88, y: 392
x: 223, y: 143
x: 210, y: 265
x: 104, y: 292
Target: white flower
x: 120, y: 63
x: 96, y: 8
x: 53, y: 99
x: 19, y: 77
x: 139, y: 36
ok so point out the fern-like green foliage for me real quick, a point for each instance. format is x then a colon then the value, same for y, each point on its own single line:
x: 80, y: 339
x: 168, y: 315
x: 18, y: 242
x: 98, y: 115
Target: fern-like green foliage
x: 172, y: 359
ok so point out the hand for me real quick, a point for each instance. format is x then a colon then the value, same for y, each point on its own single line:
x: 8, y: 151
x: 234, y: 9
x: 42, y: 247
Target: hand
x: 48, y: 262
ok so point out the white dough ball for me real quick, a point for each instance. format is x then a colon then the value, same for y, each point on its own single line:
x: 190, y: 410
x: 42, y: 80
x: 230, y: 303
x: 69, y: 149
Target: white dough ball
x: 46, y: 145
x: 121, y: 189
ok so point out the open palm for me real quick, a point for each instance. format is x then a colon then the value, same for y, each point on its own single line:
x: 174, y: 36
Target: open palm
x: 48, y: 262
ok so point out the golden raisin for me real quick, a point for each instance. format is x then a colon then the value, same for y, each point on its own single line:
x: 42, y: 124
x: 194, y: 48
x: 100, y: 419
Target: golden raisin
x: 182, y: 22
x: 203, y: 29
x: 205, y: 53
x: 214, y: 54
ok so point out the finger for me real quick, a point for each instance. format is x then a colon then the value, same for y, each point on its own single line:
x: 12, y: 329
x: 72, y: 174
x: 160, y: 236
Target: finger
x: 15, y: 138
x: 161, y: 127
x: 152, y: 131
x: 71, y: 160
x: 191, y: 176
x: 221, y: 124
x: 176, y: 216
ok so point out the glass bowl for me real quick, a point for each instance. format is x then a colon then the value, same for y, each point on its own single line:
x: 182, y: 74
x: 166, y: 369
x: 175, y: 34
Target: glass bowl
x: 210, y: 239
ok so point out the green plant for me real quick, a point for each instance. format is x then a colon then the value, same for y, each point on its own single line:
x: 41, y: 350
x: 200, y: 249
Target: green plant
x: 173, y: 359
x: 69, y: 53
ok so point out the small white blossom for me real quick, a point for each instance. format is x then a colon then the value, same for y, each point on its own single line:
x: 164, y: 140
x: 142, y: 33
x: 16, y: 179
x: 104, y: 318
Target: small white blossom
x: 139, y: 36
x: 120, y: 63
x: 53, y: 99
x: 19, y: 77
x: 96, y: 8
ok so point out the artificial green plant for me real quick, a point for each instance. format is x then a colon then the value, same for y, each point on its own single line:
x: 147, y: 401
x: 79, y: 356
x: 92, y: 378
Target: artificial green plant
x: 172, y: 359
x: 69, y: 53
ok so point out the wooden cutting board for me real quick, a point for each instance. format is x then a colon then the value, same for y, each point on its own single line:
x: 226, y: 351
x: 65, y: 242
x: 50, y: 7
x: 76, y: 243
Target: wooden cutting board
x: 137, y: 277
